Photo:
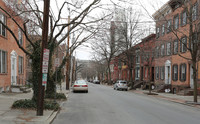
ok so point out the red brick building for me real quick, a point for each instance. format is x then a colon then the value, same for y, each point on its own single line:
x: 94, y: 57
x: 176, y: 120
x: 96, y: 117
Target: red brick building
x: 172, y: 44
x: 12, y: 64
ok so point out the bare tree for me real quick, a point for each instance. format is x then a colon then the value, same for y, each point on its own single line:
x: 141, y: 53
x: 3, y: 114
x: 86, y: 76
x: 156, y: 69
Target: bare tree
x: 56, y: 37
x: 189, y: 39
x: 105, y: 48
x: 131, y: 35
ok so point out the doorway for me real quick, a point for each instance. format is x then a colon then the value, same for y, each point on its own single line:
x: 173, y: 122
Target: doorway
x: 167, y: 72
x: 13, y: 68
x: 152, y: 74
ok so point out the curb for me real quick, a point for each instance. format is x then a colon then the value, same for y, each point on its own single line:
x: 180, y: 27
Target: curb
x: 170, y: 99
x: 55, y: 113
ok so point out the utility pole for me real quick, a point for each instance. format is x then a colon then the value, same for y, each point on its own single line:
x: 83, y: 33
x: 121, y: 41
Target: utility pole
x: 40, y: 100
x: 68, y: 60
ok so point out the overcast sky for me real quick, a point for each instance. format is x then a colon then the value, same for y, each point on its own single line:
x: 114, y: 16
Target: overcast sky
x: 150, y: 5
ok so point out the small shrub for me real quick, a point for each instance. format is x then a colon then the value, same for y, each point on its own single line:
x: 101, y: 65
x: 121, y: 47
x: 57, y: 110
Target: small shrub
x: 24, y: 103
x: 58, y: 96
x: 51, y: 105
x: 30, y: 104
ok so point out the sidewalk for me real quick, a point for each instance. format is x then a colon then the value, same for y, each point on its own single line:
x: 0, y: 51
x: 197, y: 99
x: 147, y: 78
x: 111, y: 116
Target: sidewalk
x: 20, y: 116
x: 186, y: 100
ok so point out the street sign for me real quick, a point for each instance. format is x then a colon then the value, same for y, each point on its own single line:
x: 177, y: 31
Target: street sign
x: 57, y: 62
x: 46, y: 55
x: 44, y: 79
x: 45, y: 70
x: 45, y: 62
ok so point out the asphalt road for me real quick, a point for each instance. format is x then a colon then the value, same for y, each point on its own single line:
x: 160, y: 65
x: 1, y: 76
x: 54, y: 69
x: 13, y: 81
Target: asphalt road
x: 103, y: 105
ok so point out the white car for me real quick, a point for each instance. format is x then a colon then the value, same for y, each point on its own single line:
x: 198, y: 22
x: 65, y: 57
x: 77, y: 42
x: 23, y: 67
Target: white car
x: 80, y: 85
x: 121, y: 85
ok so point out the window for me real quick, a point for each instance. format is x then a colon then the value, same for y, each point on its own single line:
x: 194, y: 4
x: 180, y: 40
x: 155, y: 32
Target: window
x: 2, y: 28
x: 183, y: 44
x: 157, y: 73
x: 20, y: 37
x: 169, y: 23
x: 194, y: 12
x: 157, y: 32
x: 175, y: 47
x: 157, y: 52
x: 3, y: 61
x: 175, y: 72
x: 163, y: 29
x: 20, y: 67
x: 184, y: 18
x: 162, y: 52
x: 168, y: 49
x: 137, y: 57
x: 183, y: 72
x: 137, y: 73
x: 162, y: 72
x: 176, y: 22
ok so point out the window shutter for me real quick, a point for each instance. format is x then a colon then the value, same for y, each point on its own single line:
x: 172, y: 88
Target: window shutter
x: 185, y: 72
x: 177, y: 73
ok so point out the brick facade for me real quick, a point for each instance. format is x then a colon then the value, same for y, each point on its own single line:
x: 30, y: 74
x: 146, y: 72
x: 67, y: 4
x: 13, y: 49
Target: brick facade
x: 14, y: 53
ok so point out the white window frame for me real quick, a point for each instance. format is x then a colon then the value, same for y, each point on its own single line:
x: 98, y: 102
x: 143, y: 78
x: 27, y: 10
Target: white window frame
x: 20, y: 37
x: 157, y: 32
x: 163, y: 29
x: 2, y: 29
x: 176, y: 22
x: 162, y: 50
x: 184, y: 18
x: 157, y: 73
x: 169, y: 23
x: 194, y: 12
x: 162, y: 73
x: 175, y: 49
x: 168, y: 48
x: 183, y: 44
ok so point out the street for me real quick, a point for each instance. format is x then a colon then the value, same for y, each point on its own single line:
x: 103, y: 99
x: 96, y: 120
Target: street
x: 103, y: 105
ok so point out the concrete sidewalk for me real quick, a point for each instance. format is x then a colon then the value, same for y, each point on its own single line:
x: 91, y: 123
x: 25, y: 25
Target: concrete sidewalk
x: 186, y: 100
x: 23, y: 116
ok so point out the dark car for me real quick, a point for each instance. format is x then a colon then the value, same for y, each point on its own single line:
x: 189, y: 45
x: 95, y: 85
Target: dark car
x: 96, y: 82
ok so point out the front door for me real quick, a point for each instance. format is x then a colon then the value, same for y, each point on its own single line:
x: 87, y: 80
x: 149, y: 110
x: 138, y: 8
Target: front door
x: 167, y: 72
x: 152, y: 74
x: 13, y: 70
x: 191, y: 77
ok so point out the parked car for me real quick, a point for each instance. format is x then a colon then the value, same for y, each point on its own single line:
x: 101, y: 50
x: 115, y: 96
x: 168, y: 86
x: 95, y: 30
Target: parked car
x: 96, y: 82
x: 121, y: 85
x: 80, y: 85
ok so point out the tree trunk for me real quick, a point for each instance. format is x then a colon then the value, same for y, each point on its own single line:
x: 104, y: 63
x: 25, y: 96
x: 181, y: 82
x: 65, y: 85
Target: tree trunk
x: 35, y: 70
x: 131, y: 77
x: 109, y: 76
x: 195, y: 79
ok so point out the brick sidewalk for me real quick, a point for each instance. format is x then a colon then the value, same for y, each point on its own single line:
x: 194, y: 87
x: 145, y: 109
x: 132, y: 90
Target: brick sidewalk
x: 186, y: 100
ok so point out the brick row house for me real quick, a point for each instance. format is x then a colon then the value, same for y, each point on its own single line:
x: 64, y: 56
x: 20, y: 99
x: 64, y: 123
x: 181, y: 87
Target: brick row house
x: 172, y: 44
x: 12, y: 58
x: 142, y: 62
x: 161, y: 57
